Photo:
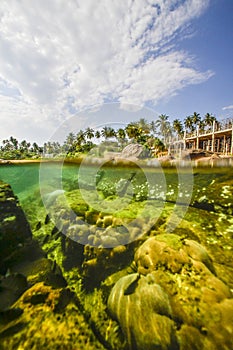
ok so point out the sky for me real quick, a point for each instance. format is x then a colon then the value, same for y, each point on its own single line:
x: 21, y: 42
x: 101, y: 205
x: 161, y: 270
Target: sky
x: 67, y: 65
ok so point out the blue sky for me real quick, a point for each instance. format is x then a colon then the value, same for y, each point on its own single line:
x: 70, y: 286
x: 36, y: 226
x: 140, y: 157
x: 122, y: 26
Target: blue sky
x: 212, y: 47
x: 143, y: 58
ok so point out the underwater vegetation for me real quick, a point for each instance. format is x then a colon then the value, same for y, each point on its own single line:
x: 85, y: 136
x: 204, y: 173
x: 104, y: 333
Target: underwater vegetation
x: 99, y: 269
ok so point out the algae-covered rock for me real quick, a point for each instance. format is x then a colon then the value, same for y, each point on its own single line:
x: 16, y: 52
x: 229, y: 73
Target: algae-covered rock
x: 197, y: 252
x: 14, y: 228
x: 51, y: 320
x: 161, y: 251
x: 143, y: 311
x: 198, y: 298
x: 11, y: 287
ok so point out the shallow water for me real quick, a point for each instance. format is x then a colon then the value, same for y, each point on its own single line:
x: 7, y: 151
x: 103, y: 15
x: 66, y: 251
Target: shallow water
x: 194, y: 204
x: 181, y: 186
x: 24, y: 178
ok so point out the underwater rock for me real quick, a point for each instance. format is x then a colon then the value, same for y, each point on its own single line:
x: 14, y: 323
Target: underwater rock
x: 197, y: 252
x: 72, y: 253
x: 143, y: 311
x: 28, y: 252
x: 11, y: 288
x: 161, y: 251
x: 101, y: 262
x: 51, y: 197
x: 41, y: 269
x: 14, y: 228
x: 9, y: 315
x: 204, y: 205
x: 197, y: 297
x: 51, y: 320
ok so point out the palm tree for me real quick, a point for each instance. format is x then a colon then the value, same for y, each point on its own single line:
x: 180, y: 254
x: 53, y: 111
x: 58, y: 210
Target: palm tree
x: 188, y: 122
x: 80, y: 137
x: 178, y: 127
x: 164, y: 127
x: 89, y: 133
x: 209, y: 119
x: 47, y: 147
x: 97, y: 134
x: 144, y: 126
x: 121, y: 135
x: 7, y: 145
x: 14, y: 142
x: 201, y: 126
x: 107, y: 132
x: 35, y: 148
x: 70, y: 139
x: 153, y: 126
x: 132, y: 130
x: 196, y: 118
x: 158, y: 146
x: 24, y: 146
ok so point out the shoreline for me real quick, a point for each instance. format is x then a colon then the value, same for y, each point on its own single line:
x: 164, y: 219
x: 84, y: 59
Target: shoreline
x: 205, y: 162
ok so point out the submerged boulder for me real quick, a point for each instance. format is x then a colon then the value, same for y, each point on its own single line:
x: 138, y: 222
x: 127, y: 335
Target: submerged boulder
x: 14, y: 227
x: 143, y: 311
x: 198, y: 298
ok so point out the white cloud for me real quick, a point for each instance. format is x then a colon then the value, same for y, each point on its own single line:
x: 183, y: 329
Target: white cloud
x: 227, y: 107
x: 64, y: 56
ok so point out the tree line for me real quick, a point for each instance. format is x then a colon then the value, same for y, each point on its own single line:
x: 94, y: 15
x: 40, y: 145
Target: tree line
x: 154, y: 135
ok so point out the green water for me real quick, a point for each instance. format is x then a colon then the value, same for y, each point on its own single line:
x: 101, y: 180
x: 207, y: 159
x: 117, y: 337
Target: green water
x: 208, y: 190
x: 194, y: 204
x: 26, y: 179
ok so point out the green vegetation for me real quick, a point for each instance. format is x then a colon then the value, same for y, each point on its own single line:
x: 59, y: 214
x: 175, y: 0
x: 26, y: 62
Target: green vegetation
x: 154, y: 136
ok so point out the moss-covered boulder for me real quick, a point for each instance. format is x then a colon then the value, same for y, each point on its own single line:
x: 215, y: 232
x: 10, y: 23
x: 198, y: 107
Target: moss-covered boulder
x: 143, y: 311
x: 198, y: 298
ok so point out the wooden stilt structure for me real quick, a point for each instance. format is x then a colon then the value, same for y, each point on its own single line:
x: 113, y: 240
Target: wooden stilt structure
x: 219, y: 139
